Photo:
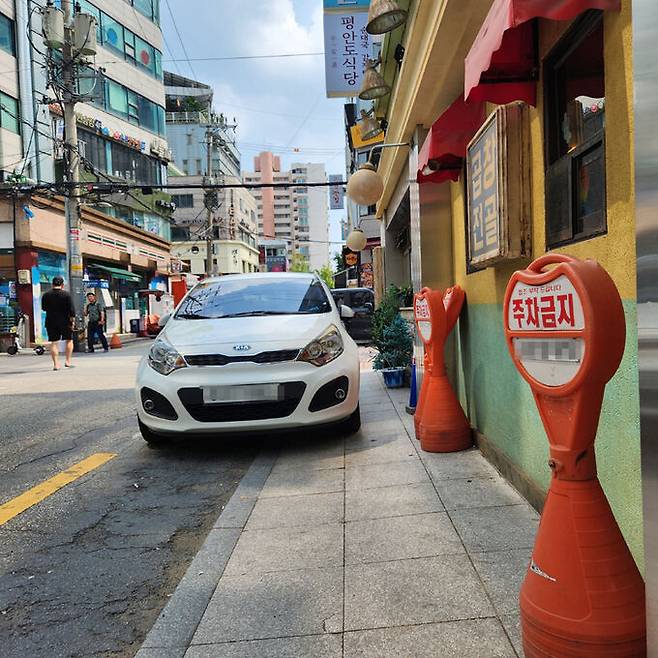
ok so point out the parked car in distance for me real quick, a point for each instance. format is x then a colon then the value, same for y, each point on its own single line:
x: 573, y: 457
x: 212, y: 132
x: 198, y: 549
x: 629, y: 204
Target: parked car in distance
x: 250, y: 352
x: 362, y: 302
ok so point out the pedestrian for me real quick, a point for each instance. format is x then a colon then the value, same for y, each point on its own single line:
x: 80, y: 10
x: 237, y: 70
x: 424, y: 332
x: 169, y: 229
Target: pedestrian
x: 60, y: 316
x: 96, y: 316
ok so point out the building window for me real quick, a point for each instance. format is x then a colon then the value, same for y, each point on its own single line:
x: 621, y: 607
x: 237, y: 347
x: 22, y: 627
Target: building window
x: 575, y: 134
x: 7, y: 42
x: 183, y: 200
x: 9, y: 116
x: 126, y: 104
x: 148, y: 8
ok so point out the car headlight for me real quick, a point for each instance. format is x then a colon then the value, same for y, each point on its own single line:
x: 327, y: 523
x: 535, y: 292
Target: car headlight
x: 325, y: 348
x: 163, y: 358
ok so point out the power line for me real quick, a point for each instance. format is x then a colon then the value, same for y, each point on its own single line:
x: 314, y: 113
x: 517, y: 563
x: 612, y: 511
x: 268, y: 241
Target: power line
x: 232, y: 58
x: 180, y: 38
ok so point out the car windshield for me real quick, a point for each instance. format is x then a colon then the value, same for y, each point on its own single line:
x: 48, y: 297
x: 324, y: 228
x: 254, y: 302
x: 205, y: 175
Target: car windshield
x: 232, y: 298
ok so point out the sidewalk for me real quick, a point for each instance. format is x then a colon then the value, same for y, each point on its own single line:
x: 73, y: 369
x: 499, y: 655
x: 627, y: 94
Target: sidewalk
x: 360, y: 546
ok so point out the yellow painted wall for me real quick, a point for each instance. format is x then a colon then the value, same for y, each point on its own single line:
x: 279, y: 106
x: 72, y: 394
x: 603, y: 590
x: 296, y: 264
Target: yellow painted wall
x: 615, y: 250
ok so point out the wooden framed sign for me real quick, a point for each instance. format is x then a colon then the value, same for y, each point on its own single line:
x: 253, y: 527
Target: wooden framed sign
x: 498, y: 188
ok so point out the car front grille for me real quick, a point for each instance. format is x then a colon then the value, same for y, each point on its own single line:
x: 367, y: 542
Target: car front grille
x: 192, y: 399
x: 275, y: 356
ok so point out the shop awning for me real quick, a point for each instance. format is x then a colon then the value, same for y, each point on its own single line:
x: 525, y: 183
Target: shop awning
x: 118, y: 273
x: 502, y: 65
x: 442, y: 154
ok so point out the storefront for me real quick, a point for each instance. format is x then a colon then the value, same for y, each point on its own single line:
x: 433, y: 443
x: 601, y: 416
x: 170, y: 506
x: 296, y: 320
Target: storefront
x: 520, y: 138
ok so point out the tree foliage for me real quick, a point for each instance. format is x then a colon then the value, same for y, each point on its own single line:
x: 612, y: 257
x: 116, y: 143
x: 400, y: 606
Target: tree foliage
x: 299, y: 263
x: 326, y: 274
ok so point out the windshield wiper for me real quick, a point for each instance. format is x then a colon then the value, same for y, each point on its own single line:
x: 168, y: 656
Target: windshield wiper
x: 192, y: 316
x: 249, y: 314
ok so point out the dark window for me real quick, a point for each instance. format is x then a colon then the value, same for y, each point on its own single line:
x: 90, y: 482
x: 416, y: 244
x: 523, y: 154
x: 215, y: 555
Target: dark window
x: 575, y: 134
x: 7, y: 42
x: 180, y: 233
x: 183, y: 200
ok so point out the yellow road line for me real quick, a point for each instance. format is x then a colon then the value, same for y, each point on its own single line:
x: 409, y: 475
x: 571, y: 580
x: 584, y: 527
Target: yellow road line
x: 31, y: 497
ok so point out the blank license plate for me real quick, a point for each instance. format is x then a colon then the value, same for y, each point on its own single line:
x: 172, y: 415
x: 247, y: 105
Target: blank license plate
x: 243, y: 393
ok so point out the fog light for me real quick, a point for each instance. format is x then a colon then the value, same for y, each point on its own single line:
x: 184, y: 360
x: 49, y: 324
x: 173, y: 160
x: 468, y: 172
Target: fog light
x: 340, y: 394
x: 149, y: 405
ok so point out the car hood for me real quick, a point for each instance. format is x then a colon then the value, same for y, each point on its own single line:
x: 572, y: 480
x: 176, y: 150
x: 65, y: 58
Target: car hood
x: 252, y: 334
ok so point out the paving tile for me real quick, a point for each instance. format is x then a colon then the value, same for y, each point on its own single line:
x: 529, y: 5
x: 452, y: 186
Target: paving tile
x: 502, y: 573
x: 413, y: 592
x: 290, y: 511
x: 280, y: 549
x: 281, y: 604
x: 384, y: 475
x: 310, y: 461
x: 512, y: 624
x: 296, y: 482
x: 476, y: 638
x: 466, y: 464
x: 399, y: 450
x: 477, y: 492
x: 496, y: 528
x: 401, y: 537
x: 366, y: 441
x: 317, y: 646
x: 384, y: 502
x: 161, y: 652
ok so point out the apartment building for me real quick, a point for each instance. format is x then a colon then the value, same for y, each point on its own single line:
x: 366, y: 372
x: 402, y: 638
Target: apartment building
x: 296, y: 214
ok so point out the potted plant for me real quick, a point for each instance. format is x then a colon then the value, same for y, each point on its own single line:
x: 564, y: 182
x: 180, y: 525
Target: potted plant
x: 395, y: 349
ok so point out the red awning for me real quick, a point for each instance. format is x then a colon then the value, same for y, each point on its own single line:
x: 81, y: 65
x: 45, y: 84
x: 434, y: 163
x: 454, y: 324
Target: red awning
x: 501, y: 65
x: 442, y: 154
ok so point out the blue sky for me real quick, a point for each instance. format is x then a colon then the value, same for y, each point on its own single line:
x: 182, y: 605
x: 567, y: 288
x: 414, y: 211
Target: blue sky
x: 279, y: 104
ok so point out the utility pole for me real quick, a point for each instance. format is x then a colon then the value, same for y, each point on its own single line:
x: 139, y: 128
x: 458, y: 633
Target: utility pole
x: 75, y: 35
x: 209, y: 205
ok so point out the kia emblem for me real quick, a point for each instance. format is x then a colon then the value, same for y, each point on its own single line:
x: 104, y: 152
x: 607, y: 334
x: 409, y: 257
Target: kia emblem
x: 241, y: 348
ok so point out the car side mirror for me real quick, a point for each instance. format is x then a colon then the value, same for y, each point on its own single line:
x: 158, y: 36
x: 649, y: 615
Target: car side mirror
x: 163, y: 320
x: 346, y: 312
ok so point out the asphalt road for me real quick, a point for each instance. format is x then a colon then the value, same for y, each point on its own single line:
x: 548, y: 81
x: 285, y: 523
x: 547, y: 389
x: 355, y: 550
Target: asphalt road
x: 86, y: 571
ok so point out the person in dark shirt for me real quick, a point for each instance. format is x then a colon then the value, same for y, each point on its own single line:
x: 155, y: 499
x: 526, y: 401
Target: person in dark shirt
x: 60, y: 315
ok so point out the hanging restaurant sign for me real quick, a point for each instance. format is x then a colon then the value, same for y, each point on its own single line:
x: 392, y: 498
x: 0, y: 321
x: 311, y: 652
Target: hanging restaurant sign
x: 498, y: 188
x: 346, y: 48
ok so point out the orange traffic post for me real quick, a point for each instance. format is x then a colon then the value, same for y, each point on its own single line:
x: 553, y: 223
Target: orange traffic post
x: 583, y: 595
x: 441, y: 425
x: 115, y: 342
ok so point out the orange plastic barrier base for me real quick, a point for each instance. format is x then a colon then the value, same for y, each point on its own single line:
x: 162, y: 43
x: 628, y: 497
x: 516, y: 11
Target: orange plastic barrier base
x: 443, y: 427
x: 583, y: 596
x: 420, y: 406
x: 115, y: 342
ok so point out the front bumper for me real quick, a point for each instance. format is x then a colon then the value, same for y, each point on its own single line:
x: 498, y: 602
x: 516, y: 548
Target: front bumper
x: 301, y: 382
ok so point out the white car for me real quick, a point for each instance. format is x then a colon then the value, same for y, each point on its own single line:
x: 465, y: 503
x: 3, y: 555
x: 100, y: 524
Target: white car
x: 250, y: 352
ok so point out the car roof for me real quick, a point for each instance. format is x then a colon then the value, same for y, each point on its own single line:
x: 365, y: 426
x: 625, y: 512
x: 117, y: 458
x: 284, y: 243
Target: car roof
x: 308, y: 276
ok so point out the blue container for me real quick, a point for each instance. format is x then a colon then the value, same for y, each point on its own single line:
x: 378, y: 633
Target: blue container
x: 393, y: 377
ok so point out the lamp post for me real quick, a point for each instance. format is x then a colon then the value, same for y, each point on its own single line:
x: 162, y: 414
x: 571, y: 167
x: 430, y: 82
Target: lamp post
x: 366, y: 186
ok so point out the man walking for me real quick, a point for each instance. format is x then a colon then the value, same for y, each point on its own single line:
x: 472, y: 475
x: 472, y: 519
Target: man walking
x: 96, y: 315
x: 60, y: 316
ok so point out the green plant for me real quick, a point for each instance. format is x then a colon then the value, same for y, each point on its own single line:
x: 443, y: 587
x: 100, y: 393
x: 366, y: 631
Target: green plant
x: 395, y: 347
x: 387, y: 309
x: 326, y: 274
x: 299, y: 263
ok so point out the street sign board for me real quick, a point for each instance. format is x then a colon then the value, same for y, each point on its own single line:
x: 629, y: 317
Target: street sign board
x: 346, y: 48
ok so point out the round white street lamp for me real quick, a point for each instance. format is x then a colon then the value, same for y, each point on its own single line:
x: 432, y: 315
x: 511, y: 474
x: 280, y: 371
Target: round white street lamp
x: 356, y: 240
x: 365, y: 186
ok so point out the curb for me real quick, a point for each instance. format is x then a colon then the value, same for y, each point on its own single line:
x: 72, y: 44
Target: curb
x: 173, y: 630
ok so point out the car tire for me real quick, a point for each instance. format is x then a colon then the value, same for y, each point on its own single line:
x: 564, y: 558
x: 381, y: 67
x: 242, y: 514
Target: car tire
x: 151, y: 437
x: 353, y: 424
x: 12, y: 350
